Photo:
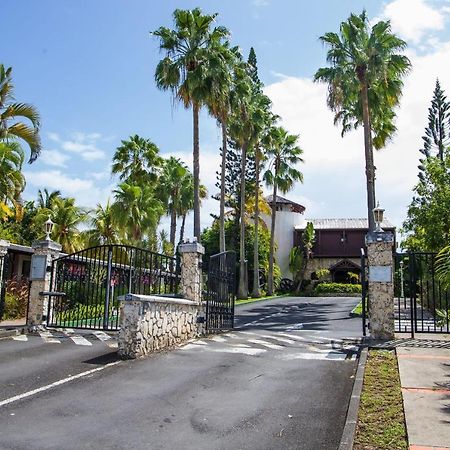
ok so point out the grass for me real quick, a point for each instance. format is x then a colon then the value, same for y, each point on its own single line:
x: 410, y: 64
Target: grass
x: 358, y: 309
x: 252, y: 300
x: 381, y: 423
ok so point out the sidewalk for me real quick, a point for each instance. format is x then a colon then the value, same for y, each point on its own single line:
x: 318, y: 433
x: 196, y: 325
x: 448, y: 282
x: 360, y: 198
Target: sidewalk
x: 425, y: 379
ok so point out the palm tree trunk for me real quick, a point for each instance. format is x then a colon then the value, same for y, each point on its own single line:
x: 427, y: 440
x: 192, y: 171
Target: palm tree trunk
x: 256, y: 292
x: 222, y: 188
x: 183, y: 222
x: 368, y: 149
x: 243, y: 288
x: 196, y: 171
x: 272, y: 240
x: 173, y: 227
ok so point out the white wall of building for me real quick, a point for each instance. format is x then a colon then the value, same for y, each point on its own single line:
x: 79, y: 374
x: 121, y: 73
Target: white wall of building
x: 285, y: 222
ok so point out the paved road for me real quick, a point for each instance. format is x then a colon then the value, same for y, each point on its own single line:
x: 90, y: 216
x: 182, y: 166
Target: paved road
x: 281, y: 380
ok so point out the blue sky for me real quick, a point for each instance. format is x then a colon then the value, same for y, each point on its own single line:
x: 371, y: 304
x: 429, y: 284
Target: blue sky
x: 88, y: 67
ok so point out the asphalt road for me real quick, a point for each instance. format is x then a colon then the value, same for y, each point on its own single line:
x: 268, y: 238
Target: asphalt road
x: 281, y: 380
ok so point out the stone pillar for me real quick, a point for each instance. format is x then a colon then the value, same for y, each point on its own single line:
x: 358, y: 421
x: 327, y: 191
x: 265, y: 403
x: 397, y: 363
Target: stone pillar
x: 191, y: 270
x: 380, y: 260
x: 41, y: 263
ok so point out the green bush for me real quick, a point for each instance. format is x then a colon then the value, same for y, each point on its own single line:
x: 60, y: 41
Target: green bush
x: 16, y: 299
x: 337, y: 288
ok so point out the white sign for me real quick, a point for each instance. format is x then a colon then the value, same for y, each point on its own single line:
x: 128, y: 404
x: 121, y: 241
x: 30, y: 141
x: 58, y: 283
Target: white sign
x: 380, y: 274
x: 38, y: 267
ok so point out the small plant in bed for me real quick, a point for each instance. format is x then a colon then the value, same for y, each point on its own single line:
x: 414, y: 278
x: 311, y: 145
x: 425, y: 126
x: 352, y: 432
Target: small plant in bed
x: 337, y: 288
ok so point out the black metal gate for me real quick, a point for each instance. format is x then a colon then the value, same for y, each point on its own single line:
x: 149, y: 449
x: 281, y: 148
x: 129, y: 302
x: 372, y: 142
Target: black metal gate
x: 422, y: 302
x: 364, y: 293
x: 221, y: 291
x: 85, y: 285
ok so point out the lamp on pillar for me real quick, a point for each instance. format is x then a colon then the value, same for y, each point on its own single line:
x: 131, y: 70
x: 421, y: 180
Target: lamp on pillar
x: 48, y: 227
x: 378, y: 216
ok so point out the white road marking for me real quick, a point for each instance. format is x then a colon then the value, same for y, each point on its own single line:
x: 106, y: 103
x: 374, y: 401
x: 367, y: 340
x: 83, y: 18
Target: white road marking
x: 80, y: 340
x: 21, y: 337
x: 265, y: 344
x: 245, y: 351
x: 56, y: 383
x: 330, y: 356
x: 105, y: 338
x: 293, y: 336
x: 48, y: 337
x: 276, y: 338
x: 218, y: 339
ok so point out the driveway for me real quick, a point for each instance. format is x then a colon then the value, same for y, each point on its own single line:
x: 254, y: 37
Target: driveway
x: 281, y: 380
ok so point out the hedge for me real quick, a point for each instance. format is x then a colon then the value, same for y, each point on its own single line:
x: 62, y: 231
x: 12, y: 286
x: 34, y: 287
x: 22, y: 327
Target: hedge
x: 337, y: 288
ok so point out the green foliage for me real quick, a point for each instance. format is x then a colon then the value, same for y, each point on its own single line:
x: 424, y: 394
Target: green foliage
x: 443, y: 266
x: 296, y: 261
x: 16, y: 299
x: 337, y: 288
x: 322, y: 274
x: 353, y: 278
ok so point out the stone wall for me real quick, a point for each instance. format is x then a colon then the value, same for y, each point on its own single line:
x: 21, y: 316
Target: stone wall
x: 151, y: 323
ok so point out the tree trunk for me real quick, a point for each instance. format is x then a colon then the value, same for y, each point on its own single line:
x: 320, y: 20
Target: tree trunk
x: 370, y: 169
x: 243, y: 288
x: 173, y: 228
x: 196, y: 171
x: 256, y: 292
x: 183, y: 221
x: 272, y: 239
x: 222, y: 188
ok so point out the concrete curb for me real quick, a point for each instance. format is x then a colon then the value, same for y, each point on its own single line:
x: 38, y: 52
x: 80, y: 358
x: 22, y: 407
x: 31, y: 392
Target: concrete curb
x: 10, y: 332
x: 348, y: 434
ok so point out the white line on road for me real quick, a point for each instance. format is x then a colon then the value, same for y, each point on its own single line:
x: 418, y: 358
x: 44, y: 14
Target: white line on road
x: 56, y: 383
x: 265, y: 344
x: 318, y: 356
x: 276, y: 338
x: 21, y: 337
x: 105, y: 338
x: 79, y: 340
x: 218, y: 339
x: 48, y: 337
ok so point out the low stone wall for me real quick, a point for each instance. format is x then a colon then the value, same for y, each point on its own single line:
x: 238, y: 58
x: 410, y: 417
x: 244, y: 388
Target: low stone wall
x: 151, y: 323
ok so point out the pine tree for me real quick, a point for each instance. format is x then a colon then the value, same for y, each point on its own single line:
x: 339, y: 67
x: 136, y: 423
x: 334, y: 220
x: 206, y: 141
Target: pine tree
x: 437, y: 133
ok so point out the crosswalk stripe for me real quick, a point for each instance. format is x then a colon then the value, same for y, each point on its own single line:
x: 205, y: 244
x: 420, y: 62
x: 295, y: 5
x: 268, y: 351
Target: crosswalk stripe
x: 101, y: 335
x: 276, y: 338
x: 329, y: 356
x: 48, y: 337
x: 265, y: 344
x: 80, y: 340
x: 244, y: 351
x: 21, y: 337
x: 218, y: 339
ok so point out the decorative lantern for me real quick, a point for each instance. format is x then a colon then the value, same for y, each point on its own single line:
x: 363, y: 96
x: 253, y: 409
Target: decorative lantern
x: 48, y: 227
x: 378, y: 216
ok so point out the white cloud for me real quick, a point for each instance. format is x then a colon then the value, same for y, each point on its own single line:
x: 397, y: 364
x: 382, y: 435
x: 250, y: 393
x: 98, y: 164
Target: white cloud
x: 84, y: 144
x: 412, y: 19
x: 54, y: 158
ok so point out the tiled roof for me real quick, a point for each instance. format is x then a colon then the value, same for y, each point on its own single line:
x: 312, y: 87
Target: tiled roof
x: 281, y: 200
x: 340, y: 224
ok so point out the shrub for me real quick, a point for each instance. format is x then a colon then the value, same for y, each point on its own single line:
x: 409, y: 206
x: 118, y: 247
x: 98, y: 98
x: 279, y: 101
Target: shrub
x: 337, y: 288
x: 322, y: 274
x: 16, y: 298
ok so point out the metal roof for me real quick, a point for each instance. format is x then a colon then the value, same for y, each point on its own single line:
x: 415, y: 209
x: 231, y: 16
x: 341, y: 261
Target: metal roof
x: 281, y: 200
x: 340, y: 224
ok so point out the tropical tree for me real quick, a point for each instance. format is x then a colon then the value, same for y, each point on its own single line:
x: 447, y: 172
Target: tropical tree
x: 364, y: 84
x: 137, y: 160
x: 281, y: 174
x: 45, y: 198
x: 11, y: 111
x: 104, y: 229
x: 12, y: 181
x: 169, y: 191
x: 137, y: 211
x: 189, y: 49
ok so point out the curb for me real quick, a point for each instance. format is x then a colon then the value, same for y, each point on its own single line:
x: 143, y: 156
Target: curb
x: 348, y: 434
x: 10, y: 332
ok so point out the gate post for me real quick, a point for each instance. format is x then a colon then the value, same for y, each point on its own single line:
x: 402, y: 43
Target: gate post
x: 380, y: 260
x: 191, y: 270
x: 41, y: 272
x: 4, y: 245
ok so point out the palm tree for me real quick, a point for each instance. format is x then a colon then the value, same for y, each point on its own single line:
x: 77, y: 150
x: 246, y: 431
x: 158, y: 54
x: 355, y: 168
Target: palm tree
x: 46, y: 198
x: 137, y: 211
x: 189, y: 49
x: 12, y: 111
x: 169, y: 189
x: 136, y: 160
x: 364, y: 84
x: 12, y: 181
x: 104, y: 227
x: 281, y: 174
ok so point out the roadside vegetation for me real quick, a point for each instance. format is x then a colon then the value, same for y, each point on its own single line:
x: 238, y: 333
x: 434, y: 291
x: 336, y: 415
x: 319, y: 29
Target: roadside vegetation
x: 381, y: 422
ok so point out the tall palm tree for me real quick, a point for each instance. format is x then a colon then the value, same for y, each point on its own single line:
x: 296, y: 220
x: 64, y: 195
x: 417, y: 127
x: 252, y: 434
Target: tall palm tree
x: 364, y: 84
x: 45, y: 198
x: 104, y: 226
x: 169, y: 191
x: 137, y: 211
x: 11, y: 111
x: 12, y: 181
x: 281, y: 174
x: 137, y: 160
x: 189, y: 49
